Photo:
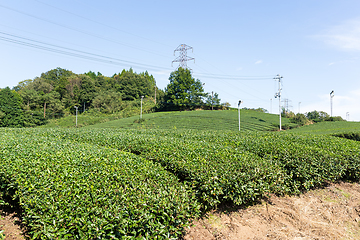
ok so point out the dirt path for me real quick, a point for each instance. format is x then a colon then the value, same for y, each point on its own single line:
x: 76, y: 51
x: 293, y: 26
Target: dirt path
x: 10, y: 224
x: 329, y: 213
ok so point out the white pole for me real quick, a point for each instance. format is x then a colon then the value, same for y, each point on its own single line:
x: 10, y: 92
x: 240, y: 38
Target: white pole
x: 331, y: 101
x: 239, y: 112
x: 155, y: 92
x: 141, y: 107
x: 280, y: 104
x: 76, y: 115
x: 278, y: 77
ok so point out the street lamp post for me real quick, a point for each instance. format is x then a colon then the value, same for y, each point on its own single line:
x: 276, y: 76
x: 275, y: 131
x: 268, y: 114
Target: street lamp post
x: 239, y: 112
x: 76, y: 115
x: 141, y: 107
x: 331, y: 101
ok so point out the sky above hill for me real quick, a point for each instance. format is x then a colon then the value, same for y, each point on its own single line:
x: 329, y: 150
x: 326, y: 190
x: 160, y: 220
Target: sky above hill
x: 239, y: 46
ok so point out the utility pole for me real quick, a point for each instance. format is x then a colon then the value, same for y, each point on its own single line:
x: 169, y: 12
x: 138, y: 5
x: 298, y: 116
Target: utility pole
x: 76, y: 115
x: 44, y: 108
x: 155, y: 92
x: 183, y: 58
x: 212, y: 100
x: 347, y: 116
x: 84, y: 106
x: 239, y: 112
x: 331, y: 101
x: 141, y: 107
x: 278, y: 95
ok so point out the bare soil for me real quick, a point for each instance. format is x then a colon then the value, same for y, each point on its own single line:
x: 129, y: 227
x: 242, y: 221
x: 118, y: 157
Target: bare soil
x: 332, y: 212
x: 329, y: 213
x: 10, y: 223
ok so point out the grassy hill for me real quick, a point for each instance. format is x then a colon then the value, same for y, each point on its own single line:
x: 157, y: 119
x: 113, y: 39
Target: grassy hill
x: 329, y: 128
x: 200, y: 120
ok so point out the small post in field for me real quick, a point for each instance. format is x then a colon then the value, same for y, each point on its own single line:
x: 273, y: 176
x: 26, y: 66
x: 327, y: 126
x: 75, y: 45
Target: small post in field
x: 239, y: 112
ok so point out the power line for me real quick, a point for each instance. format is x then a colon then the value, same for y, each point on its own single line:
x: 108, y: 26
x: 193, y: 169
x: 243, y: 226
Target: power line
x: 109, y: 60
x: 71, y: 52
x: 100, y: 23
x: 234, y: 77
x: 78, y: 30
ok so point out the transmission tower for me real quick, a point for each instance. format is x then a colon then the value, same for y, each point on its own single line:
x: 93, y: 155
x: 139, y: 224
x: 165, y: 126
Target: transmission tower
x: 183, y: 58
x: 286, y: 105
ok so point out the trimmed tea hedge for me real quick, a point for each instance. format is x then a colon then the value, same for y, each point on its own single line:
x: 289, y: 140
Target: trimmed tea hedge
x: 106, y: 183
x: 71, y: 190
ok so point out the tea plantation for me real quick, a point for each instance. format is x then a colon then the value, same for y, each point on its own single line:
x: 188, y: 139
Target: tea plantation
x: 149, y: 184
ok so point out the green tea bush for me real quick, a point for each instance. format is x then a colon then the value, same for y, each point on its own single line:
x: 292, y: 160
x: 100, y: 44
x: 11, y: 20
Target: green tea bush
x: 109, y: 183
x: 71, y: 190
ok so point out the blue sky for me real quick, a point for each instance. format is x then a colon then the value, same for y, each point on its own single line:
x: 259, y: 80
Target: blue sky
x: 238, y: 46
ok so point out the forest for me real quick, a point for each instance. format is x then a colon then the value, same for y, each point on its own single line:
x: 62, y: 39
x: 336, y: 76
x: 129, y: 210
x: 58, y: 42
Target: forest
x: 56, y: 92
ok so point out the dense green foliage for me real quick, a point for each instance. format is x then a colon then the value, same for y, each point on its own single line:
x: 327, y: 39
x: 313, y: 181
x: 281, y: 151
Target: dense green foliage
x: 349, y: 135
x: 185, y: 93
x: 73, y: 190
x: 319, y: 116
x: 103, y: 183
x: 55, y: 93
x: 11, y: 113
x: 131, y: 110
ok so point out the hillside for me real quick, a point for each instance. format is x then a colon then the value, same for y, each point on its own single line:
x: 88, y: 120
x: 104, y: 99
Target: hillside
x: 200, y: 120
x: 329, y: 128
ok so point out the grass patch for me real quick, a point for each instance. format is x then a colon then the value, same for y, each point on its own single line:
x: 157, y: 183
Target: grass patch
x: 330, y: 128
x: 201, y: 120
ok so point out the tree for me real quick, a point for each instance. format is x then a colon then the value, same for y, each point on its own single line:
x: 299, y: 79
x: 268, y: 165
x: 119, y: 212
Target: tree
x: 225, y: 105
x: 11, y: 114
x: 108, y: 102
x: 317, y: 116
x: 212, y: 101
x: 22, y: 85
x: 299, y: 118
x: 183, y: 91
x: 56, y: 76
x: 132, y: 85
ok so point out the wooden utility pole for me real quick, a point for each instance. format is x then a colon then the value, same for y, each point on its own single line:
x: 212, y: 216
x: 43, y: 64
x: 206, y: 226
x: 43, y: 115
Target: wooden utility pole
x: 212, y: 100
x: 44, y: 108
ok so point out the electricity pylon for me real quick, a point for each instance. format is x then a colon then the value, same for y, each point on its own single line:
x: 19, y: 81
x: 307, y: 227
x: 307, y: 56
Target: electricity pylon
x: 183, y: 58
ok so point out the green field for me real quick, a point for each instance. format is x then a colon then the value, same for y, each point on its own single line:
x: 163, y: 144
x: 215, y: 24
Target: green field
x: 201, y: 120
x: 129, y: 180
x: 329, y: 128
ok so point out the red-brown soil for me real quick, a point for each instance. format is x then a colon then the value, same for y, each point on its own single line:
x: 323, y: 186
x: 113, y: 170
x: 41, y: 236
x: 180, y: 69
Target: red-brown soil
x: 332, y: 212
x: 329, y: 213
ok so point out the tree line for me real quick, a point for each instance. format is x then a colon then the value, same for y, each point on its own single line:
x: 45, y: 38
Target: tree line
x: 56, y: 92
